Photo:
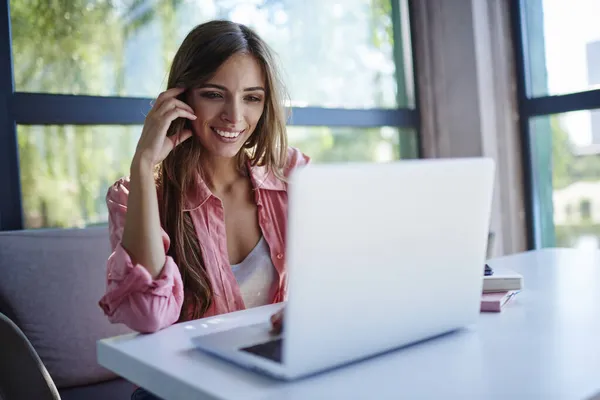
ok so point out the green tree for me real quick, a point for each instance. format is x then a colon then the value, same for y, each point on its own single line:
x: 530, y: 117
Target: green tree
x: 586, y: 168
x: 63, y: 47
x: 562, y: 154
x: 324, y: 144
x: 567, y: 166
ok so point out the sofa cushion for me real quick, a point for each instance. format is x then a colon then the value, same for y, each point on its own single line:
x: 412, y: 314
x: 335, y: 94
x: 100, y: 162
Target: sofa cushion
x: 50, y: 287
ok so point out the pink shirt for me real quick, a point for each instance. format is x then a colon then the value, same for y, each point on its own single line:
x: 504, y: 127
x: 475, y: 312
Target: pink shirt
x: 147, y: 305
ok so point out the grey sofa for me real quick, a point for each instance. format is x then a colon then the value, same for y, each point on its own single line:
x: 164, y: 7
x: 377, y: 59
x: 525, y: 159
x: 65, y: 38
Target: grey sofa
x: 50, y: 286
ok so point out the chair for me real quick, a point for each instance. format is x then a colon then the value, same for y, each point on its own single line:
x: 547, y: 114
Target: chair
x: 22, y: 373
x: 51, y: 282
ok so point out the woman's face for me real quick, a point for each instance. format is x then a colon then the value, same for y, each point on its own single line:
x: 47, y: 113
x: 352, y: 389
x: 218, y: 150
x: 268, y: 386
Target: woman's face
x: 229, y: 105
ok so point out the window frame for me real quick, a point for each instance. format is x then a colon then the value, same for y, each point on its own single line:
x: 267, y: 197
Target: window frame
x: 540, y: 221
x: 24, y: 108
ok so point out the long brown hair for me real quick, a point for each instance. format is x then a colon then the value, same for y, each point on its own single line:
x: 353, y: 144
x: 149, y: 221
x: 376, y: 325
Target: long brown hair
x: 202, y: 52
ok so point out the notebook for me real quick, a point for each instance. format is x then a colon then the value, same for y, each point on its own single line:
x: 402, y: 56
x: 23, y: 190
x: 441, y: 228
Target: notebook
x: 502, y: 280
x: 493, y: 302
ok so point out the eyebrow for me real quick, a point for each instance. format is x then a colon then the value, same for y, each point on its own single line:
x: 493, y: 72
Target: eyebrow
x: 214, y: 86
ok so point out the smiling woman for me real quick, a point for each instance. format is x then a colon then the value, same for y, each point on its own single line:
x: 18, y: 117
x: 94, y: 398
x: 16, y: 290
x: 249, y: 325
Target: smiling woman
x: 217, y: 140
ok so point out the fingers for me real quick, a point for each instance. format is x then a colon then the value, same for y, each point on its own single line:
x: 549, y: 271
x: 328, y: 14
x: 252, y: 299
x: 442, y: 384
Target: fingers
x: 181, y: 137
x: 276, y: 328
x: 275, y: 317
x: 170, y: 104
x: 166, y: 109
x: 174, y: 113
x: 167, y: 94
x: 277, y: 322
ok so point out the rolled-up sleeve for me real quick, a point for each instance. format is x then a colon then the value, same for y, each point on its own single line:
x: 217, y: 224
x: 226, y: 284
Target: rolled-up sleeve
x: 295, y: 159
x: 132, y: 297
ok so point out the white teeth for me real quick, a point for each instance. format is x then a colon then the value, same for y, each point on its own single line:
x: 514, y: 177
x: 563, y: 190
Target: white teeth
x: 230, y: 135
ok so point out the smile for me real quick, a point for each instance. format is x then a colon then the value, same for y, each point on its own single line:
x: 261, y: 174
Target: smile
x: 227, y: 134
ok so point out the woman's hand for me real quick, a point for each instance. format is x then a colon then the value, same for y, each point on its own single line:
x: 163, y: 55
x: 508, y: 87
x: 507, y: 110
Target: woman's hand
x: 142, y: 237
x: 154, y: 145
x: 277, y: 322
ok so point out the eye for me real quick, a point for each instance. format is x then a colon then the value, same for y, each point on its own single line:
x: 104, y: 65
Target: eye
x: 211, y: 95
x: 253, y: 99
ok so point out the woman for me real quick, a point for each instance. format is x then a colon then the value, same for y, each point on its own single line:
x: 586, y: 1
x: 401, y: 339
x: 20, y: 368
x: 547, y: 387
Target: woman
x: 198, y: 228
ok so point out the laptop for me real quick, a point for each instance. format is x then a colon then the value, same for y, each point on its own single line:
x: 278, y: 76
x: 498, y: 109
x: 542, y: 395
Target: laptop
x: 379, y: 256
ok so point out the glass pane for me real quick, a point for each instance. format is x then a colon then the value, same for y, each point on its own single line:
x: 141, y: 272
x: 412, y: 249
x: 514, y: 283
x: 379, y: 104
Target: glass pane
x: 564, y: 45
x: 66, y: 171
x: 334, y: 54
x: 566, y: 155
x: 325, y: 144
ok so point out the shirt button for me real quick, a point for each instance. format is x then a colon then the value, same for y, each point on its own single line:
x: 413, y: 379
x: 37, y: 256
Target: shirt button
x: 279, y: 256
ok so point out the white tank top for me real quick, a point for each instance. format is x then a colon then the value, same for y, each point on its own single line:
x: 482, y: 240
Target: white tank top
x: 256, y: 276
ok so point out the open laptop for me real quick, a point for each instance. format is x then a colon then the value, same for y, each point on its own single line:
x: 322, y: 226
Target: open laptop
x: 379, y: 256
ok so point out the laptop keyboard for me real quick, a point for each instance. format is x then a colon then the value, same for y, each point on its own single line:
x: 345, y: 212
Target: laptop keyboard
x: 270, y: 349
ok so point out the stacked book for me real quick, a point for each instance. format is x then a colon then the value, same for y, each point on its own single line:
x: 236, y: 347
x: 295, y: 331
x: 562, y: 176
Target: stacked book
x: 500, y: 285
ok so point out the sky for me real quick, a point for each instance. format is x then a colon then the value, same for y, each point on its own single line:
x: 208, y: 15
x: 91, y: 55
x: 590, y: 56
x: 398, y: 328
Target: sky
x: 568, y: 26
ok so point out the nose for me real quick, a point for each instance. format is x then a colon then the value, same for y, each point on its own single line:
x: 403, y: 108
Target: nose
x: 232, y: 112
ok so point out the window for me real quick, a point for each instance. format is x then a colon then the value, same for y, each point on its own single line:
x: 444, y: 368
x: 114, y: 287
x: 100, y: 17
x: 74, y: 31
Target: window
x: 334, y: 54
x: 67, y: 169
x: 569, y: 46
x: 325, y: 144
x: 77, y: 103
x: 558, y: 59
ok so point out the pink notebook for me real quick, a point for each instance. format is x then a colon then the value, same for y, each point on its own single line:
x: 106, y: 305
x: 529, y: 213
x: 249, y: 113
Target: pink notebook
x: 493, y: 302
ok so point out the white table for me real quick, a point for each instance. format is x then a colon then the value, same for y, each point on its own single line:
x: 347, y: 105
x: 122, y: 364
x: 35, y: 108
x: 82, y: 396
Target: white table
x: 544, y: 345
